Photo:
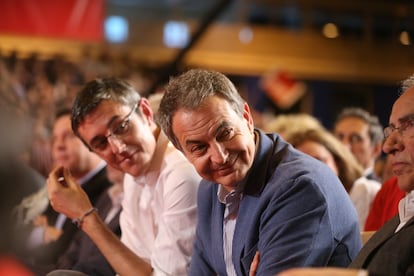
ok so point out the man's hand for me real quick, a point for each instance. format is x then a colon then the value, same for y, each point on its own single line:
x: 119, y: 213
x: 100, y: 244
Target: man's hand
x: 51, y: 234
x: 65, y: 195
x: 255, y: 264
x: 40, y: 221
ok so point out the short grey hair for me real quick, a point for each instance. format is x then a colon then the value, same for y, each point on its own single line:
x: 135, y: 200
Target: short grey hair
x: 407, y: 83
x: 376, y: 133
x: 189, y: 90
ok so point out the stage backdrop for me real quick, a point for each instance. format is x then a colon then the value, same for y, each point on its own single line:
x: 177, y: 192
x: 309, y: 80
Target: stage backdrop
x: 68, y: 19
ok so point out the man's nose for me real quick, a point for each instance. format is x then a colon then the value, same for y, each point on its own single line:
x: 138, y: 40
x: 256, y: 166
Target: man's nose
x: 117, y: 145
x: 219, y: 154
x: 392, y: 143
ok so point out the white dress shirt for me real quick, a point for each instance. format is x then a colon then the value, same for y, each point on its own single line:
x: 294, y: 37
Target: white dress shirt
x: 232, y: 202
x: 405, y: 210
x: 362, y: 195
x: 116, y: 195
x: 159, y: 215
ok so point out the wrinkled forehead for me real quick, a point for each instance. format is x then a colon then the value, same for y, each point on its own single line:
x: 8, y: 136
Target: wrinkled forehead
x: 403, y: 106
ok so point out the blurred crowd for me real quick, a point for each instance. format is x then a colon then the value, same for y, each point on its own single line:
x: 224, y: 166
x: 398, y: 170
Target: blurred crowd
x: 34, y: 88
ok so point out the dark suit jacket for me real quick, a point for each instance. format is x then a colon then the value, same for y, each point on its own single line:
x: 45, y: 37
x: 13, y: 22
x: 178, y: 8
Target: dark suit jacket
x: 17, y: 180
x: 388, y: 253
x: 43, y: 258
x: 82, y: 254
x: 294, y: 211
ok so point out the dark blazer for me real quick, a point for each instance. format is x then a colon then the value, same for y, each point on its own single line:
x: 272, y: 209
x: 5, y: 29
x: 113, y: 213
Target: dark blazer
x: 17, y: 181
x: 388, y: 253
x: 294, y: 211
x: 82, y: 254
x: 43, y: 258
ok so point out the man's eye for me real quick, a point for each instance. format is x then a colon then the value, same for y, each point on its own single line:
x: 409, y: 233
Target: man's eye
x: 340, y: 137
x: 225, y: 134
x: 100, y: 144
x: 197, y: 149
x: 122, y: 128
x: 355, y: 138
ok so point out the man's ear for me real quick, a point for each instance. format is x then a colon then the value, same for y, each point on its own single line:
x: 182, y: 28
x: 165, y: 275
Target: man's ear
x: 248, y: 116
x: 146, y: 111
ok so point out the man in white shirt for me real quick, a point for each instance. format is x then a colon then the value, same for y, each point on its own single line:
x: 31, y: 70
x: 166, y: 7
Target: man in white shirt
x: 159, y: 209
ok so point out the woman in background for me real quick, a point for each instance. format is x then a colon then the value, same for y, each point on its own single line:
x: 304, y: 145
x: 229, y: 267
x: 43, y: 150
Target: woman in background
x: 322, y: 145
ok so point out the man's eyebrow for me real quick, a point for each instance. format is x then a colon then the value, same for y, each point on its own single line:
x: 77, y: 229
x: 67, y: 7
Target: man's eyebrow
x: 191, y: 142
x: 406, y: 117
x: 222, y: 125
x: 108, y: 125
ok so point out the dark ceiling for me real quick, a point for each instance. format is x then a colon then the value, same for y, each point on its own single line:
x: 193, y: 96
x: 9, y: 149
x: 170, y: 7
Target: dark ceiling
x: 376, y: 18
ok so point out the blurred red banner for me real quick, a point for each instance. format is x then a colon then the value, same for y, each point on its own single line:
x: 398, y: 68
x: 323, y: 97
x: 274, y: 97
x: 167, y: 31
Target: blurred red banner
x: 70, y: 19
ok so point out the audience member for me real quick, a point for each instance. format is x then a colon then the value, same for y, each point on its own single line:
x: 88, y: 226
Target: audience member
x: 323, y: 146
x: 51, y: 233
x: 17, y: 182
x: 362, y: 133
x: 82, y: 254
x: 390, y: 250
x: 284, y: 124
x: 385, y: 205
x: 258, y: 194
x: 15, y: 126
x: 159, y: 207
x: 386, y: 172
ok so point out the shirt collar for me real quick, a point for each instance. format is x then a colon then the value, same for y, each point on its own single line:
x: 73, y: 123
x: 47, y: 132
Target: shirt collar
x: 116, y: 194
x: 91, y: 173
x: 406, y: 209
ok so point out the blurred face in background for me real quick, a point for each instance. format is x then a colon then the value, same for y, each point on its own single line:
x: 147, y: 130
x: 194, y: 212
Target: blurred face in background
x: 69, y: 151
x: 319, y: 152
x: 354, y: 133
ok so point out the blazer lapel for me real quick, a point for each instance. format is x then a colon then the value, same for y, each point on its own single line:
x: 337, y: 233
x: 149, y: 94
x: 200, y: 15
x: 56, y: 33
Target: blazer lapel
x: 242, y: 243
x: 375, y: 241
x: 217, y: 227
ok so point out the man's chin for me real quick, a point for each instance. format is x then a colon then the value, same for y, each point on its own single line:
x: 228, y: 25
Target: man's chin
x: 406, y: 182
x: 132, y: 172
x: 229, y: 180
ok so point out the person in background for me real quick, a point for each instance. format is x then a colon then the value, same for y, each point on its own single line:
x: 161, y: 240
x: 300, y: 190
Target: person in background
x: 322, y: 145
x: 82, y: 254
x: 158, y: 215
x: 362, y: 133
x: 284, y: 124
x: 17, y: 181
x: 50, y: 233
x: 385, y: 204
x: 259, y: 196
x: 390, y: 250
x: 383, y: 167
